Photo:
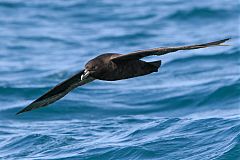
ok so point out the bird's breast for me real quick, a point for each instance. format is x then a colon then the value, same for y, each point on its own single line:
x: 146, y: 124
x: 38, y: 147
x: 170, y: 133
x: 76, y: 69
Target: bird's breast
x: 125, y: 70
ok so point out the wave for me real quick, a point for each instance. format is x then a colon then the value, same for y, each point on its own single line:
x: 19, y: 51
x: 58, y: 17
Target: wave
x: 10, y: 5
x: 224, y: 95
x: 188, y: 110
x: 122, y: 137
x: 204, y: 13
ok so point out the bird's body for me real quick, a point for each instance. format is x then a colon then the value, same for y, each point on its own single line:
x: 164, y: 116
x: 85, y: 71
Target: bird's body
x: 112, y: 71
x: 111, y: 67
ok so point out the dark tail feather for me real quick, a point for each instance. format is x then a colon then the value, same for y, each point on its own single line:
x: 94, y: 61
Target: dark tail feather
x: 156, y: 64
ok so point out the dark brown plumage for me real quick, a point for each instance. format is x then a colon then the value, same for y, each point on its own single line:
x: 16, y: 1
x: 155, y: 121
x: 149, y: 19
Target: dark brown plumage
x: 111, y: 67
x: 102, y: 67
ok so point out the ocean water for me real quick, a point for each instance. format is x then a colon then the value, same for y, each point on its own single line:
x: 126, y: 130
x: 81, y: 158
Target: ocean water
x: 188, y: 110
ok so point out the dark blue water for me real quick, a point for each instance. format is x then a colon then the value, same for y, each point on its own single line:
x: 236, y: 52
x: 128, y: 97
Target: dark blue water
x: 189, y: 110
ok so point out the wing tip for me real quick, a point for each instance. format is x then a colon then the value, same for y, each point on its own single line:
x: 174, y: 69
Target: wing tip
x: 226, y: 39
x: 221, y: 42
x: 21, y: 111
x: 30, y: 107
x: 26, y: 109
x: 216, y: 43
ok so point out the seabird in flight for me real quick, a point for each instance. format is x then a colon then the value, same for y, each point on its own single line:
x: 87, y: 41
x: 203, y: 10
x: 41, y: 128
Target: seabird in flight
x: 111, y: 67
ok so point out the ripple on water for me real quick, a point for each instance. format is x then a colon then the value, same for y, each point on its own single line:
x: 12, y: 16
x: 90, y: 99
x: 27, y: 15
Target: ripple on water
x: 188, y: 110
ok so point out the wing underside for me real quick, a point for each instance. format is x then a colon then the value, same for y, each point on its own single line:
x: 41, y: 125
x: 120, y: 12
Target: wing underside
x: 58, y: 92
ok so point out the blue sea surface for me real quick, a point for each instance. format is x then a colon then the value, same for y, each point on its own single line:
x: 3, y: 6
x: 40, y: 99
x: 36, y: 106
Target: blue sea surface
x: 189, y: 110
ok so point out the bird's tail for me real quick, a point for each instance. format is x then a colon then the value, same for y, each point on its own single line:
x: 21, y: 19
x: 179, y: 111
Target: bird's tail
x: 156, y: 64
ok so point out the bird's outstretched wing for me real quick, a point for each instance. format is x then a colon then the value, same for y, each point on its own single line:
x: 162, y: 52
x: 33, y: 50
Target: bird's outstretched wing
x: 161, y: 51
x: 58, y: 92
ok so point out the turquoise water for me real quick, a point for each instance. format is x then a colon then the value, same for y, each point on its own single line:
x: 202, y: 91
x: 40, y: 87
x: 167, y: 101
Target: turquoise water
x: 188, y: 110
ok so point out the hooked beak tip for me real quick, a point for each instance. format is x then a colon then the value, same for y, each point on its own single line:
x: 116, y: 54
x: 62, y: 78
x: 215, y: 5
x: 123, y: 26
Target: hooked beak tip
x: 85, y: 74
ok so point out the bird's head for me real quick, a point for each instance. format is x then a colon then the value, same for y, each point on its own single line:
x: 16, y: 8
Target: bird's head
x: 93, y: 68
